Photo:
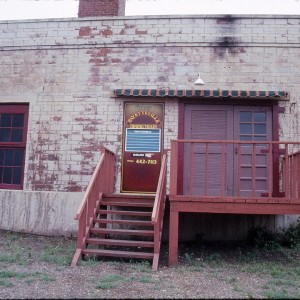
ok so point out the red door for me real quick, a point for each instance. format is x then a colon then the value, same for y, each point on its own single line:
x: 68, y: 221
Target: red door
x: 202, y: 172
x: 252, y: 124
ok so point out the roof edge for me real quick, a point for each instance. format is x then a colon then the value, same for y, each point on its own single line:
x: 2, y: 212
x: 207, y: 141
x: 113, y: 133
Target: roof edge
x: 178, y: 93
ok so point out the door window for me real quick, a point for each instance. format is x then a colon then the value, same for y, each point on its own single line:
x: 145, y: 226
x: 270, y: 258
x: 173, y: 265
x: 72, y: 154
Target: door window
x: 253, y: 126
x: 251, y: 165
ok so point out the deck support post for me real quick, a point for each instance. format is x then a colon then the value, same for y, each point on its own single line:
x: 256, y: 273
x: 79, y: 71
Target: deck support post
x: 173, y: 237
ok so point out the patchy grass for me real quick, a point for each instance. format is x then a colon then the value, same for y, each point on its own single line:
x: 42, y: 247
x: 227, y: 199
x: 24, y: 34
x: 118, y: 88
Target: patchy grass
x: 277, y: 266
x: 16, y: 255
x: 6, y: 283
x: 46, y: 278
x: 110, y: 281
x: 60, y: 255
x: 11, y: 274
x: 90, y: 261
x: 34, y: 263
x: 145, y: 279
x: 9, y: 278
x: 142, y: 266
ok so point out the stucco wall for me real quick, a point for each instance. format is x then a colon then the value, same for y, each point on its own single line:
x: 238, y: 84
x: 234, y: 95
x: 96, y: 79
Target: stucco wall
x: 66, y: 69
x: 45, y: 213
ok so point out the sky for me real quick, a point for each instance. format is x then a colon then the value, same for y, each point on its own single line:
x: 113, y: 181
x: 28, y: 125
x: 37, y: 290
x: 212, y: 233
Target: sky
x: 43, y: 9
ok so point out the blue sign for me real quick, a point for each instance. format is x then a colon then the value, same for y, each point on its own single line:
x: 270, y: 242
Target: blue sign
x: 142, y: 140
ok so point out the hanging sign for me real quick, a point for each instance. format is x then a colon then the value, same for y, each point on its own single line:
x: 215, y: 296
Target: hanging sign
x: 142, y: 147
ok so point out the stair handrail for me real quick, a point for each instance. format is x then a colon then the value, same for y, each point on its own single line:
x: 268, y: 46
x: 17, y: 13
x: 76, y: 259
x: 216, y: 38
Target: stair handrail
x: 161, y: 190
x: 97, y: 172
x: 158, y: 210
x: 102, y: 181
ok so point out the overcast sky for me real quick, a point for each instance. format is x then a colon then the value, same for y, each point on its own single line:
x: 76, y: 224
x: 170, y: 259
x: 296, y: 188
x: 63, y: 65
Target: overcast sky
x: 40, y: 9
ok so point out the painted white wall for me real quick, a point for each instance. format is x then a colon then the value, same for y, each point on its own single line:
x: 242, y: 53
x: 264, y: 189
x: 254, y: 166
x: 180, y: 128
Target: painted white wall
x: 45, y: 213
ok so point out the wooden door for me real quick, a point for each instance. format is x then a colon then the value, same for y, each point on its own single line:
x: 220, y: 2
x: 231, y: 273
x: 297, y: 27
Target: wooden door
x: 205, y: 170
x: 207, y: 122
x: 252, y: 124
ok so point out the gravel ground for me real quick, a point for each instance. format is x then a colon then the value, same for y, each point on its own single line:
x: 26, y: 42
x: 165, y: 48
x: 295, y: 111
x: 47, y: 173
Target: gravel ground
x: 38, y: 267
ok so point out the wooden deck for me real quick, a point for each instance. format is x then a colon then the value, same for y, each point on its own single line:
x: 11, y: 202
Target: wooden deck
x: 282, y: 184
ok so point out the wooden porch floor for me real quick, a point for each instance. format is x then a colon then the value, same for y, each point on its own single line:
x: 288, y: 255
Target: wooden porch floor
x: 239, y: 205
x: 229, y: 205
x: 267, y: 172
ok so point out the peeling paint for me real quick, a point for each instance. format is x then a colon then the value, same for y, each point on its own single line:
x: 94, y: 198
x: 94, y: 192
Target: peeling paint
x: 137, y: 31
x: 85, y: 31
x: 106, y: 32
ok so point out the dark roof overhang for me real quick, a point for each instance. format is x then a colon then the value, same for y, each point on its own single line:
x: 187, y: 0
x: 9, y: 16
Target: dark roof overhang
x: 272, y: 95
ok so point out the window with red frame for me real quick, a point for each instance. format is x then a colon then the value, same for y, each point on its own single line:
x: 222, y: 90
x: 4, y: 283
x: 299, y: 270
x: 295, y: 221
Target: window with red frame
x: 13, y: 133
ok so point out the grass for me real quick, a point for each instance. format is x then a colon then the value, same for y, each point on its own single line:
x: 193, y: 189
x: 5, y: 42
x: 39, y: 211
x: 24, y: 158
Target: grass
x: 46, y: 278
x: 280, y: 293
x: 145, y: 279
x: 115, y: 280
x: 18, y: 252
x: 7, y: 276
x: 6, y: 283
x: 16, y: 256
x: 284, y: 282
x: 13, y: 237
x: 282, y: 276
x: 142, y: 266
x: 10, y: 258
x: 90, y: 261
x: 60, y: 255
x: 276, y: 266
x: 11, y: 274
x: 110, y: 282
x: 234, y: 283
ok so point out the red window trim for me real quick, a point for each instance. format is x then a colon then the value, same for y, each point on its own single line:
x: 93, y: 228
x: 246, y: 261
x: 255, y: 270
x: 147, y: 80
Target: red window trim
x: 16, y: 108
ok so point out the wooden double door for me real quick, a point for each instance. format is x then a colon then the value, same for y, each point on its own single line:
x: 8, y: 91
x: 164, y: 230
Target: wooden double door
x: 208, y: 168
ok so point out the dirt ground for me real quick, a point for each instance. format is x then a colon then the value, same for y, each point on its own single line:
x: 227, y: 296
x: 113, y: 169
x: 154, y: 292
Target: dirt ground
x: 36, y: 267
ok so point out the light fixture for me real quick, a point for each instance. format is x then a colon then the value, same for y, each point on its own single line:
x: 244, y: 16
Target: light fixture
x: 199, y: 81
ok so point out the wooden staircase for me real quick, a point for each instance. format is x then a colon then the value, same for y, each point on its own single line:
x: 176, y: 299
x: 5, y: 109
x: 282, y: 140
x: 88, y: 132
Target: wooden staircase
x: 122, y: 227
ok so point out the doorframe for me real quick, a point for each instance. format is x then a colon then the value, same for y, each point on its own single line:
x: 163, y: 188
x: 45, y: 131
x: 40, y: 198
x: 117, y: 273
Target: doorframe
x: 240, y: 102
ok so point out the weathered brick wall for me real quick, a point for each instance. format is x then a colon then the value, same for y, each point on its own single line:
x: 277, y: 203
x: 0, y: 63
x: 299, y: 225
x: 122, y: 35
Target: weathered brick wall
x: 67, y: 69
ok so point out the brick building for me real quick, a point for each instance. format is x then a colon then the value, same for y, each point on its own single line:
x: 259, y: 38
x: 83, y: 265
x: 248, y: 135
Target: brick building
x: 70, y: 80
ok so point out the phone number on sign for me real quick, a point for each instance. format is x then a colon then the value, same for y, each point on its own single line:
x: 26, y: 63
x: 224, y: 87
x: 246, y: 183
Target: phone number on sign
x: 146, y: 161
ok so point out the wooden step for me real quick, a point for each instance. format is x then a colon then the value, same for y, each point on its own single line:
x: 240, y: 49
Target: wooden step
x: 134, y: 197
x: 125, y: 212
x: 123, y: 243
x: 122, y: 231
x: 114, y: 253
x: 126, y: 203
x: 123, y: 222
x: 129, y: 204
x: 134, y: 200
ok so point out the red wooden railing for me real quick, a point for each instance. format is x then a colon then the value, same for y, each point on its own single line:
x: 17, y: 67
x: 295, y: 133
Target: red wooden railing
x: 281, y: 159
x: 158, y: 210
x: 102, y: 181
x: 291, y: 175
